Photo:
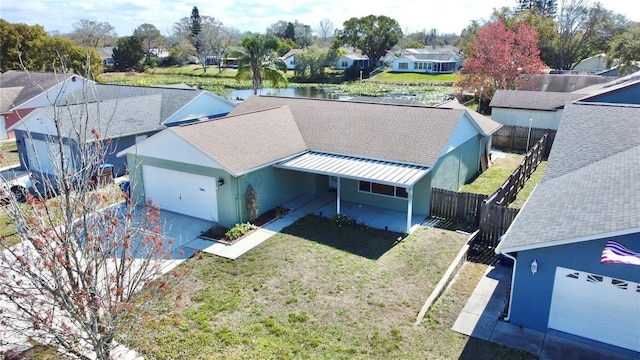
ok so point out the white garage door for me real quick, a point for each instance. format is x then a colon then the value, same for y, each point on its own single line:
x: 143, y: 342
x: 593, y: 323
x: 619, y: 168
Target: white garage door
x: 44, y: 156
x: 184, y: 193
x: 596, y: 307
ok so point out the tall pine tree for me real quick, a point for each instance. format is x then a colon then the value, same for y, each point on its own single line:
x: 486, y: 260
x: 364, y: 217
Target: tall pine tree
x: 547, y: 8
x: 195, y: 25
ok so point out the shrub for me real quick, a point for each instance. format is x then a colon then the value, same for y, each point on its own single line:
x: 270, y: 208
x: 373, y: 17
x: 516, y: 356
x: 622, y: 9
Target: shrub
x: 252, y: 203
x: 238, y: 230
x: 343, y: 220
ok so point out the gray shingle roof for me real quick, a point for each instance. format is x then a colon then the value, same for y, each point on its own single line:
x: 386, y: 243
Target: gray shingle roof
x: 243, y: 143
x: 24, y: 86
x: 111, y: 118
x: 590, y: 186
x: 562, y: 82
x: 172, y: 99
x: 486, y: 124
x: 532, y: 100
x: 408, y: 134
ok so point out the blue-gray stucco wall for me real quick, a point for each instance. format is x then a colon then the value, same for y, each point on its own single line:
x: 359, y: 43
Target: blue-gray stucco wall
x: 531, y: 300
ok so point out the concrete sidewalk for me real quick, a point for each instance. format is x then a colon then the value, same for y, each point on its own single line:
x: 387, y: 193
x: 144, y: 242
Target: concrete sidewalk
x: 480, y: 319
x: 300, y: 208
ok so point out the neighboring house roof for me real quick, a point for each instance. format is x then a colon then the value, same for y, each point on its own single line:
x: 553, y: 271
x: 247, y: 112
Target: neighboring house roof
x: 172, y: 99
x: 18, y: 87
x: 590, y: 188
x: 561, y: 82
x: 611, y: 86
x: 291, y: 53
x: 384, y: 100
x: 355, y: 56
x: 532, y: 100
x: 486, y: 124
x: 430, y: 57
x: 432, y: 50
x: 244, y: 143
x: 399, y: 133
x: 110, y: 118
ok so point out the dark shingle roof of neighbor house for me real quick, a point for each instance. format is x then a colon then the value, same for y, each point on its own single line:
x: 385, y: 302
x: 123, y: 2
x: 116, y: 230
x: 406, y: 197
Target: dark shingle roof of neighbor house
x: 562, y: 82
x: 246, y: 142
x: 590, y: 188
x: 485, y: 123
x: 172, y: 99
x: 111, y: 118
x: 612, y: 86
x: 18, y: 87
x: 401, y: 133
x: 532, y: 100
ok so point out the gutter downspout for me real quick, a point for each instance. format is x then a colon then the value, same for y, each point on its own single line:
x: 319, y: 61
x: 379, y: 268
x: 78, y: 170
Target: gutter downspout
x: 513, y: 277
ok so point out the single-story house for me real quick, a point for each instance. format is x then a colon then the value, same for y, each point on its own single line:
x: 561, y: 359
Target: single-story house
x: 593, y: 64
x: 427, y: 60
x: 588, y: 196
x: 540, y: 109
x: 350, y: 59
x: 22, y: 91
x: 544, y: 108
x: 123, y: 114
x: 290, y: 58
x: 382, y: 155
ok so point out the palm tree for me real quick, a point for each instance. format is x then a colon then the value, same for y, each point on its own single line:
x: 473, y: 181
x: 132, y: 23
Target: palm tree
x: 258, y: 56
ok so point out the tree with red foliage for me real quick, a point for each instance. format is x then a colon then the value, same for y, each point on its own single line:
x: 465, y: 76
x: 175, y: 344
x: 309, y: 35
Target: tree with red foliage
x: 500, y: 59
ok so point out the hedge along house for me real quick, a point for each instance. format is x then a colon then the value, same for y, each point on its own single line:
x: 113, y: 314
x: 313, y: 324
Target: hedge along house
x: 380, y: 155
x: 588, y: 196
x: 124, y: 114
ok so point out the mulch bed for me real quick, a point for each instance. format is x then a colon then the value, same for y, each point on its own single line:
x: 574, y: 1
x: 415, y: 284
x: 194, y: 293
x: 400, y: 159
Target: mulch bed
x: 218, y: 232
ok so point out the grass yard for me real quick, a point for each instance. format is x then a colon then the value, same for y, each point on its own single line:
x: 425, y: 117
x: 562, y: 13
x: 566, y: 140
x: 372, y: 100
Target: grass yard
x: 9, y: 154
x: 319, y: 291
x: 398, y: 77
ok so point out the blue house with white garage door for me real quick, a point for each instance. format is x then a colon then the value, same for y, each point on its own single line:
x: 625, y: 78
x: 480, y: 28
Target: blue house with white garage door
x: 589, y: 195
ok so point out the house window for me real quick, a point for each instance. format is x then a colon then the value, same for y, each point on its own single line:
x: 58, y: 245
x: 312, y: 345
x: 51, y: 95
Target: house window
x: 345, y: 64
x: 383, y: 189
x: 403, y: 66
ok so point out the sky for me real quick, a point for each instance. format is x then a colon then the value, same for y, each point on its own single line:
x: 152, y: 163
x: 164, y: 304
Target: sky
x: 449, y: 16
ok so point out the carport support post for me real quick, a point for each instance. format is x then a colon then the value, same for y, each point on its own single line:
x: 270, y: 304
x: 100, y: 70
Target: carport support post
x: 409, y: 208
x: 338, y: 197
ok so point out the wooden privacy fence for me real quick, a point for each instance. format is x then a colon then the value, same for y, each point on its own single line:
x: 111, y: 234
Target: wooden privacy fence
x: 515, y: 138
x: 489, y: 214
x: 463, y: 207
x: 507, y: 192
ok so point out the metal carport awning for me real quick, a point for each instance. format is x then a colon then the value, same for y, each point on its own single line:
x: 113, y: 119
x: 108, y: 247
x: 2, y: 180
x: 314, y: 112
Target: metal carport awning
x: 343, y: 166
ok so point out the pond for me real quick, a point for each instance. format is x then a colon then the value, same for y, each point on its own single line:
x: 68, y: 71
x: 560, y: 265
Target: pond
x: 305, y: 91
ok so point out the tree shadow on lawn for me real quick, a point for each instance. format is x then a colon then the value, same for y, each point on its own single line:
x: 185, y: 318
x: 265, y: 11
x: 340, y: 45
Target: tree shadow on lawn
x: 354, y: 238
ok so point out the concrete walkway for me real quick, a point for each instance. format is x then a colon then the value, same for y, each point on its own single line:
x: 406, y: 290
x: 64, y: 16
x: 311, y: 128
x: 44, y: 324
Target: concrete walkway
x: 300, y: 208
x: 480, y: 319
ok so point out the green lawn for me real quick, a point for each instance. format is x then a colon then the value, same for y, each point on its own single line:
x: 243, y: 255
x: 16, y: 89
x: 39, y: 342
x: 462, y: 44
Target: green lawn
x: 318, y: 291
x: 9, y: 154
x: 389, y: 76
x: 490, y: 180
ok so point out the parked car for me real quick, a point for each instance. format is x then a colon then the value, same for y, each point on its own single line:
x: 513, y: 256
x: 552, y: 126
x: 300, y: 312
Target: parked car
x: 16, y: 183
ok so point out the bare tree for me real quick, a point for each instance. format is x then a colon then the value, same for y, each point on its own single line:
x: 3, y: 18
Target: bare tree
x: 325, y: 30
x: 210, y: 38
x: 83, y: 255
x: 92, y: 33
x: 149, y: 35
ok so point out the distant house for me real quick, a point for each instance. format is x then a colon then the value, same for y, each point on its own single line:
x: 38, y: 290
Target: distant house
x: 106, y: 53
x: 124, y: 114
x: 21, y: 92
x: 290, y: 58
x: 588, y: 196
x: 350, y: 59
x: 428, y: 60
x: 382, y: 155
x: 592, y: 65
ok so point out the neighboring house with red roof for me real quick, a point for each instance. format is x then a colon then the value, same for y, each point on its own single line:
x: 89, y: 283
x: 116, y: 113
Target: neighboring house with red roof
x: 382, y: 155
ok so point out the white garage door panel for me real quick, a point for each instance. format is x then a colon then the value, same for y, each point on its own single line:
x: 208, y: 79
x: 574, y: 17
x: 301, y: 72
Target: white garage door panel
x: 596, y: 307
x: 41, y: 155
x: 184, y: 193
